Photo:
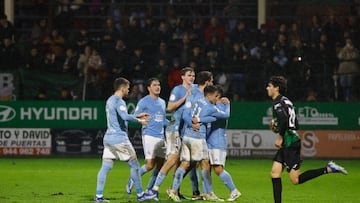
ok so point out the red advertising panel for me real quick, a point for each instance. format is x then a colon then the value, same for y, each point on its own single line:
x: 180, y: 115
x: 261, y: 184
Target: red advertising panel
x: 330, y: 143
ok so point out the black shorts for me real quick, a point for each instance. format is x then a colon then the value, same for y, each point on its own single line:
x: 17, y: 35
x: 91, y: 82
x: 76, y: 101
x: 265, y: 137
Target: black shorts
x: 289, y: 157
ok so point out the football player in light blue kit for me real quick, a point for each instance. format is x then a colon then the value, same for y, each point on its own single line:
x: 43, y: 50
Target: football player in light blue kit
x: 204, y: 79
x: 153, y: 133
x: 216, y: 141
x: 176, y: 105
x: 116, y: 141
x: 194, y: 147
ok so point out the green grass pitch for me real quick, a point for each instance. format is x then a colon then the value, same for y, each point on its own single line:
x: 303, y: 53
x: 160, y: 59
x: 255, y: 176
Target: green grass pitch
x: 27, y: 180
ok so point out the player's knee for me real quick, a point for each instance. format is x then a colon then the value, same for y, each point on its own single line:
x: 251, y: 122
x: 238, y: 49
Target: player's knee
x: 275, y: 173
x: 185, y: 165
x: 218, y: 170
x: 149, y: 166
x: 172, y: 161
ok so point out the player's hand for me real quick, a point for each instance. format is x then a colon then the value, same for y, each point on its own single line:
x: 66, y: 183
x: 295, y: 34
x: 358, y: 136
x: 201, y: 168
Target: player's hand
x: 273, y: 126
x: 195, y: 126
x: 279, y: 141
x: 225, y: 100
x: 143, y: 122
x: 144, y: 116
x: 195, y: 120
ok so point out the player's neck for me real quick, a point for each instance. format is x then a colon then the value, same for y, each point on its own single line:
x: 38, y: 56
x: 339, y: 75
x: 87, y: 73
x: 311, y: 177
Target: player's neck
x: 154, y: 96
x: 119, y: 94
x: 186, y: 85
x: 275, y: 96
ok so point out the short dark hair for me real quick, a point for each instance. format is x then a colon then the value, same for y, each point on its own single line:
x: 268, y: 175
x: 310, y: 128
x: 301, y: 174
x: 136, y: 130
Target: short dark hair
x: 185, y: 70
x: 119, y: 82
x: 279, y: 81
x: 150, y: 80
x: 220, y: 89
x: 203, y: 76
x: 210, y: 89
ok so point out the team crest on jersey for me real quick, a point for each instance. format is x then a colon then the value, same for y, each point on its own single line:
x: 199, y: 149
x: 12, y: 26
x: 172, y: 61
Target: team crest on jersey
x: 172, y: 97
x: 123, y: 108
x: 188, y: 104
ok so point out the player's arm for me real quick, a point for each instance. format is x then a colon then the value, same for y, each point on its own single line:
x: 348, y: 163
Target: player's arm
x: 187, y: 114
x: 223, y: 113
x: 175, y: 104
x: 140, y: 111
x: 282, y: 119
x: 122, y: 111
x: 203, y: 119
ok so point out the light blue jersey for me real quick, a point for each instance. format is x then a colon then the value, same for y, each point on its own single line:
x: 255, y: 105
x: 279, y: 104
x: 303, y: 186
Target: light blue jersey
x: 217, y: 136
x: 177, y: 93
x: 157, y: 111
x: 204, y: 110
x: 117, y: 120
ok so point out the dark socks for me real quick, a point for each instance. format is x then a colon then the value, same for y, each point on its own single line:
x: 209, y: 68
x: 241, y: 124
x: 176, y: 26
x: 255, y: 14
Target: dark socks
x: 277, y: 188
x: 310, y: 174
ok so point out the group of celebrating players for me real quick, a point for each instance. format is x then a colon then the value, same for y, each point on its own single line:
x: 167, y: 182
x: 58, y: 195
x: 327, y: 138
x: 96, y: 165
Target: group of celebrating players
x: 194, y: 137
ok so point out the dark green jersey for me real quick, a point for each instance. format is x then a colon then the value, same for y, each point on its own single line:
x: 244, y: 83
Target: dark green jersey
x: 285, y: 120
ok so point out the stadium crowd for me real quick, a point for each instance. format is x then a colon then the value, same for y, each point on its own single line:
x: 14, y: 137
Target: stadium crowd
x: 319, y: 57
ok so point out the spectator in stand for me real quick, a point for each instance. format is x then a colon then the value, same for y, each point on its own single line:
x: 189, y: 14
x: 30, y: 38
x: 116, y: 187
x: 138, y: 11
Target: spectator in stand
x: 161, y: 72
x: 83, y: 61
x: 55, y: 42
x: 184, y: 49
x: 174, y: 75
x: 348, y: 69
x: 9, y: 55
x: 294, y: 34
x: 50, y: 62
x: 82, y: 39
x: 282, y: 30
x: 117, y: 59
x: 239, y: 33
x: 197, y: 31
x: 33, y: 59
x: 135, y: 93
x: 40, y: 30
x: 297, y: 69
x: 133, y: 34
x: 333, y: 30
x: 215, y: 29
x: 236, y: 68
x: 352, y: 26
x: 149, y: 29
x: 41, y: 94
x: 214, y: 55
x: 163, y: 53
x: 280, y: 52
x: 163, y: 32
x: 63, y: 15
x: 65, y: 94
x: 197, y: 58
x: 138, y: 67
x: 312, y: 36
x: 262, y: 43
x: 96, y: 76
x: 7, y: 29
x: 176, y: 28
x: 109, y: 34
x: 70, y: 62
x: 322, y: 68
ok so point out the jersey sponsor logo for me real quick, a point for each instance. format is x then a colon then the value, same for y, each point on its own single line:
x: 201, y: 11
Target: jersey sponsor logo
x: 6, y: 113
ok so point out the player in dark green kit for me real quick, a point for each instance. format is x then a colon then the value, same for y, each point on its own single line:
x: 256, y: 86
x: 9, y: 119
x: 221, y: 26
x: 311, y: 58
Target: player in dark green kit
x: 285, y: 123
